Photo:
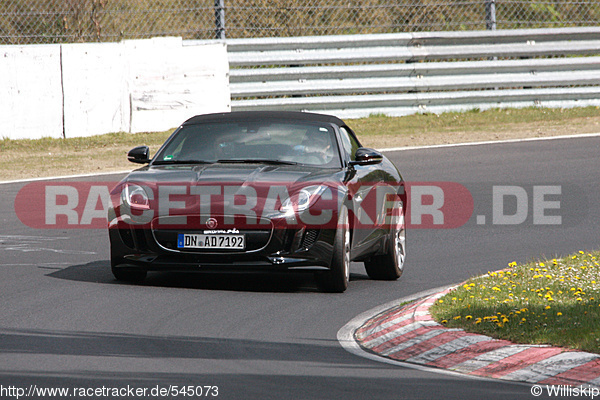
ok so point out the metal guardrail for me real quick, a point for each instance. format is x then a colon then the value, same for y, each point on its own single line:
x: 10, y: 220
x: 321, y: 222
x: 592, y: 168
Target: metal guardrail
x: 400, y: 74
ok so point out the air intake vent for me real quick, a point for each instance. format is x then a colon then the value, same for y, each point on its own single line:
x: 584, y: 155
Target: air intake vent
x: 310, y: 237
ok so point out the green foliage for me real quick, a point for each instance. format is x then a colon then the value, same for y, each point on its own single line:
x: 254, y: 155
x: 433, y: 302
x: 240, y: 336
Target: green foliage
x: 532, y: 303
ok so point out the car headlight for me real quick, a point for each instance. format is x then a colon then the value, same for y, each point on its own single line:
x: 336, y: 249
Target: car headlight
x: 135, y: 197
x: 302, y: 200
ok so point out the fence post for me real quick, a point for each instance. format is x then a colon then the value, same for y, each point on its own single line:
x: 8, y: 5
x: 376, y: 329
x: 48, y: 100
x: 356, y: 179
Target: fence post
x: 220, y: 19
x: 490, y: 15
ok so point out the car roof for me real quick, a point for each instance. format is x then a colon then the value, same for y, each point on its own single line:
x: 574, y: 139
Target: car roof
x: 236, y: 116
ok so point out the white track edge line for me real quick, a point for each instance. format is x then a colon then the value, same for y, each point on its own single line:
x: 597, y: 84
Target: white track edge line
x: 438, y: 146
x: 52, y: 178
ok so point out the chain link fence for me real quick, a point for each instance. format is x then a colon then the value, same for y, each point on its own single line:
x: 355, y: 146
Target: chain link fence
x: 61, y: 21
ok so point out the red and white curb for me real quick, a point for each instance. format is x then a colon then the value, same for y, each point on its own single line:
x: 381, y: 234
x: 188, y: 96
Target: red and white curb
x: 409, y: 334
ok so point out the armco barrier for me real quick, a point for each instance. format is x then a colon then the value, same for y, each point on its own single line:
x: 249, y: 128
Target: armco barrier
x: 405, y: 73
x: 85, y: 89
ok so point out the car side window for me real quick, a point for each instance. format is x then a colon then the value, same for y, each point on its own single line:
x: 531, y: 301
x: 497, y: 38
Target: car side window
x: 348, y: 142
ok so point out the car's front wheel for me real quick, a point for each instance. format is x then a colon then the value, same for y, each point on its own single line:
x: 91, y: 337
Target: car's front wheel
x: 336, y: 279
x: 125, y: 273
x: 389, y: 266
x: 129, y: 275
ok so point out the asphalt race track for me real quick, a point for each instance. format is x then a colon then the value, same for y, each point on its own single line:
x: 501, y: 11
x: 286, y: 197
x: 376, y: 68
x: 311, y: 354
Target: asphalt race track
x: 65, y: 322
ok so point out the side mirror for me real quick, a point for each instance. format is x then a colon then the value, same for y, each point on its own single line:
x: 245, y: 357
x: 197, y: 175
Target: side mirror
x: 139, y: 155
x: 366, y: 156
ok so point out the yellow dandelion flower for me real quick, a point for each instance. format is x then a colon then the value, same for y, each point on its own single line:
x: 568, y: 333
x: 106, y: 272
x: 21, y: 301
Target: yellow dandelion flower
x: 469, y: 317
x: 558, y: 314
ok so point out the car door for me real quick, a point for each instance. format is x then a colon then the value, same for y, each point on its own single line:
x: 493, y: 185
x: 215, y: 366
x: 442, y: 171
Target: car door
x: 361, y: 181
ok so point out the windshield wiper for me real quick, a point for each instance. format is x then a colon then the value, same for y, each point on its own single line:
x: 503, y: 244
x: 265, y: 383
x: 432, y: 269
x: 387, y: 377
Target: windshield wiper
x: 172, y: 162
x: 257, y: 161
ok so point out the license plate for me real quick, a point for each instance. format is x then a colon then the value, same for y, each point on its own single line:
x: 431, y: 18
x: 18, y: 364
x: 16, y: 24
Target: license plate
x: 191, y: 241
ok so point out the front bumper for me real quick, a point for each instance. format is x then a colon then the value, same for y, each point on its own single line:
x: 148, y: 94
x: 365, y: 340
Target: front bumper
x: 268, y: 249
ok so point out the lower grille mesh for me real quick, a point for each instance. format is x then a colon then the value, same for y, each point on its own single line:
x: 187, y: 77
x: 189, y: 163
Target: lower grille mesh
x: 310, y: 237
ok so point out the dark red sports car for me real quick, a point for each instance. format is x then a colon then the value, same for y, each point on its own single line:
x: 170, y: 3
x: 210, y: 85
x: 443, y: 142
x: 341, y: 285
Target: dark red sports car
x: 260, y: 191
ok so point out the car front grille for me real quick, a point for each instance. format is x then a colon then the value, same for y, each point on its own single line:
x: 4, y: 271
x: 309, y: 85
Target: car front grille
x: 256, y: 239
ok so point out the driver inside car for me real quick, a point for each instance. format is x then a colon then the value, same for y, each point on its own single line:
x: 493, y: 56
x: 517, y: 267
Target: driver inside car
x: 316, y: 147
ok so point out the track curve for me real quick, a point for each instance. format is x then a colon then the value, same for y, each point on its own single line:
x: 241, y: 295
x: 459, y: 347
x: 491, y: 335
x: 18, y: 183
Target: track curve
x: 64, y: 321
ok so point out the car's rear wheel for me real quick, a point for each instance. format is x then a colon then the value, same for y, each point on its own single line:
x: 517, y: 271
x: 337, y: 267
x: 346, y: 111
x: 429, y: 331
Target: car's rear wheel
x: 389, y: 266
x: 336, y: 279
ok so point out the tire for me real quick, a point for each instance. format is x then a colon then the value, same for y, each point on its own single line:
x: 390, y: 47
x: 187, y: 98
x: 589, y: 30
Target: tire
x: 129, y: 274
x: 390, y: 265
x: 336, y: 279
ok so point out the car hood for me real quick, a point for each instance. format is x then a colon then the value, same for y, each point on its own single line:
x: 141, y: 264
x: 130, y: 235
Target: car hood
x: 236, y: 174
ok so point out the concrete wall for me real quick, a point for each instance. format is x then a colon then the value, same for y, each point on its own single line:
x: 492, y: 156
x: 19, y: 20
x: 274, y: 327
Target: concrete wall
x: 30, y: 91
x: 87, y: 89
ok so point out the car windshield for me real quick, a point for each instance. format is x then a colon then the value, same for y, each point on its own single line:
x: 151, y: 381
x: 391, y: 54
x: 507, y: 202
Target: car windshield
x: 302, y: 142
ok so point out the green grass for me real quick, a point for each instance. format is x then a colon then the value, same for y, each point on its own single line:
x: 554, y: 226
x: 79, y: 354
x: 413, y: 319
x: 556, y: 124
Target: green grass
x: 57, y: 157
x: 21, y: 159
x: 471, y: 121
x: 554, y: 302
x: 84, y: 143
